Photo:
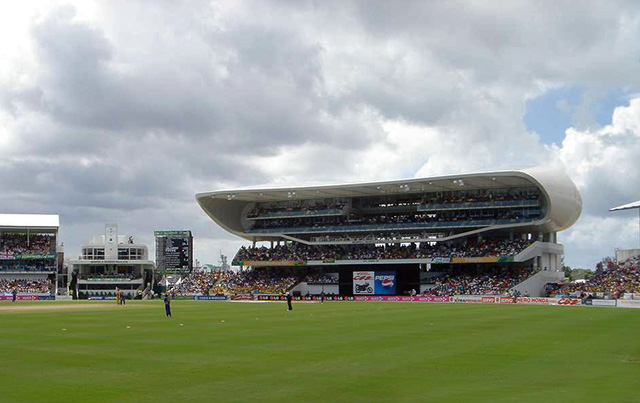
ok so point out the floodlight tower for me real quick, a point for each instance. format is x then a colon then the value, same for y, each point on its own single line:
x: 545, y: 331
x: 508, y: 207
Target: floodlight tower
x: 630, y: 206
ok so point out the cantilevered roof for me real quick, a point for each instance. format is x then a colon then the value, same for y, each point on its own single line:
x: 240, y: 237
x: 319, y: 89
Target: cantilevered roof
x: 563, y: 204
x: 29, y: 221
x: 627, y: 206
x: 421, y: 185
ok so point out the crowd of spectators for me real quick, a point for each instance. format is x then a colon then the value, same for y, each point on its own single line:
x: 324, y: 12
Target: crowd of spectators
x: 398, y: 218
x: 493, y: 282
x: 197, y: 282
x: 12, y: 244
x: 260, y: 281
x: 321, y: 278
x: 610, y: 279
x: 264, y: 281
x: 24, y: 286
x: 485, y: 196
x: 262, y: 209
x: 301, y: 252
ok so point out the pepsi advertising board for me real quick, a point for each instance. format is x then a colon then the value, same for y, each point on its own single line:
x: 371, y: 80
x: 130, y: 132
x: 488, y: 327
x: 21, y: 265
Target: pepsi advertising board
x: 385, y: 283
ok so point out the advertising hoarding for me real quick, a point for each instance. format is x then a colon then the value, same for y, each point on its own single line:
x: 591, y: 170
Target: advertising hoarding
x: 385, y: 283
x: 363, y: 282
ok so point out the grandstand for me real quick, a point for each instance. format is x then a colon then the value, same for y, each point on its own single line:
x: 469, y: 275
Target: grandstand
x: 109, y: 262
x: 495, y: 229
x: 611, y: 280
x: 28, y: 255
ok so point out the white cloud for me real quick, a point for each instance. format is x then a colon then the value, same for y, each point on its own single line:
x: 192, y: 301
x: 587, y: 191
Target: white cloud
x: 124, y: 110
x: 604, y: 165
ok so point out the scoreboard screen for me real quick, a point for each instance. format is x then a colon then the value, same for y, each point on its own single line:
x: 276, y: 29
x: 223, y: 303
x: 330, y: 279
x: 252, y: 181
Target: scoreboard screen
x: 174, y: 251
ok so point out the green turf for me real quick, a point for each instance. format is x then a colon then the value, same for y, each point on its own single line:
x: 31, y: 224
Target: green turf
x: 335, y: 352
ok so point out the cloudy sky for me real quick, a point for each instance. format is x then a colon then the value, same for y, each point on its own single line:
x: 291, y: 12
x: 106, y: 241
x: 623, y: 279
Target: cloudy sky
x: 122, y: 111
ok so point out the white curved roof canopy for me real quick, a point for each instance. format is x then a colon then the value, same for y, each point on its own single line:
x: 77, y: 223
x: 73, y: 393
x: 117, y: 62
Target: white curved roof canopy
x: 564, y: 205
x: 628, y: 206
x: 35, y: 221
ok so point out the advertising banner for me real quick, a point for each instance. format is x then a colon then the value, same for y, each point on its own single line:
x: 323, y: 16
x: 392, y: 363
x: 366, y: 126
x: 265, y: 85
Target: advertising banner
x: 484, y: 259
x: 401, y: 298
x: 564, y: 301
x: 363, y: 282
x: 266, y: 263
x: 468, y: 299
x: 209, y: 297
x: 629, y: 303
x: 44, y: 297
x: 533, y: 300
x: 265, y: 297
x: 507, y: 300
x: 603, y: 302
x: 26, y: 256
x: 437, y: 260
x: 385, y: 283
x: 241, y: 297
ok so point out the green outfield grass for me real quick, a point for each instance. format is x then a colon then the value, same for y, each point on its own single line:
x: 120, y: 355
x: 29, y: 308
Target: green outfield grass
x: 334, y: 352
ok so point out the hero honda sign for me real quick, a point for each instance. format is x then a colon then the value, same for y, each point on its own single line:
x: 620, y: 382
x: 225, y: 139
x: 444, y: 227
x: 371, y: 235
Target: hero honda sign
x: 363, y: 282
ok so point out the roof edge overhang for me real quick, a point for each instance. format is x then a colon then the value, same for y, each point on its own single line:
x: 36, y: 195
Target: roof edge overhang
x: 562, y: 196
x: 30, y: 221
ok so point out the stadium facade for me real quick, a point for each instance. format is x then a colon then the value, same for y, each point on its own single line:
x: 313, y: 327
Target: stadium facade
x: 109, y: 262
x: 405, y: 232
x: 30, y: 257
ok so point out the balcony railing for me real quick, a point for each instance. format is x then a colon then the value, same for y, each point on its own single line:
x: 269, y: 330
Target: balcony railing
x: 391, y: 226
x: 297, y: 214
x: 478, y: 205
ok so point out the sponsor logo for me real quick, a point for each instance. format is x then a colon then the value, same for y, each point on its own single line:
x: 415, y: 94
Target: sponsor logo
x: 568, y: 301
x: 484, y: 259
x: 488, y: 300
x: 27, y: 297
x: 603, y: 302
x: 441, y: 260
x: 629, y: 303
x: 209, y: 297
x: 507, y: 300
x: 539, y: 300
x: 401, y: 298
